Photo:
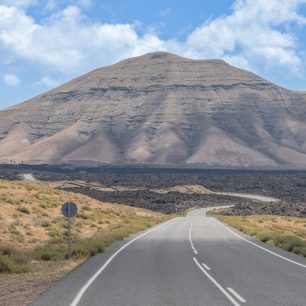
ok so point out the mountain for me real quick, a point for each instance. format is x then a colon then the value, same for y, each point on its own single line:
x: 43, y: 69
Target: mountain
x: 160, y: 108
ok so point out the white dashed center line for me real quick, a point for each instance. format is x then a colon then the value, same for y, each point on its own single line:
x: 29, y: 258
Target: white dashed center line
x: 230, y: 298
x: 205, y: 267
x: 190, y: 240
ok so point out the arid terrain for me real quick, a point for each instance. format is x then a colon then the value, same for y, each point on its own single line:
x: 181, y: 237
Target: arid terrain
x: 34, y: 235
x: 114, y: 202
x: 160, y: 109
x: 137, y: 187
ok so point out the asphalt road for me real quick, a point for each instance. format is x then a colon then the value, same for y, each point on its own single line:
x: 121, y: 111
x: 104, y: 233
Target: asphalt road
x: 29, y: 177
x: 192, y: 260
x: 250, y: 196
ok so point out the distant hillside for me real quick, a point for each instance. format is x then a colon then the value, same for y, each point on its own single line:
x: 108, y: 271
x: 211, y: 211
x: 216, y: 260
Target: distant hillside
x: 160, y: 109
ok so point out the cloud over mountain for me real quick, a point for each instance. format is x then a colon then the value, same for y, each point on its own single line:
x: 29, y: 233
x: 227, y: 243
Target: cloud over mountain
x: 256, y: 35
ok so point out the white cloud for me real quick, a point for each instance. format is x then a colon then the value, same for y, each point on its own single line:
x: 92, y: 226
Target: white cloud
x: 11, y: 80
x: 250, y: 34
x: 253, y: 36
x: 18, y: 3
x: 69, y: 42
x: 47, y: 81
x: 53, y: 4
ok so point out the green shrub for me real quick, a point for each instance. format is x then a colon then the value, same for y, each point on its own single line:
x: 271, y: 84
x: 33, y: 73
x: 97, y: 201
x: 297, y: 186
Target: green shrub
x: 264, y: 236
x: 23, y: 210
x: 288, y: 243
x: 13, y: 202
x: 8, y: 265
x: 45, y: 223
x: 17, y: 256
x: 87, y: 248
x: 300, y: 250
x: 83, y: 216
x: 55, y: 232
x: 14, y: 231
x: 49, y: 253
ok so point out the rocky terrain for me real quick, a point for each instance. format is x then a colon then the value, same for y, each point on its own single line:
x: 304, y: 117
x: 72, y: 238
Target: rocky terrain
x: 281, y: 208
x: 171, y: 202
x: 288, y: 186
x: 137, y: 187
x: 160, y: 109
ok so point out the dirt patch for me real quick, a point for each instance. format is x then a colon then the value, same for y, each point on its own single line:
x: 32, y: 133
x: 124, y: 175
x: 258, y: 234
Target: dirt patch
x: 21, y: 289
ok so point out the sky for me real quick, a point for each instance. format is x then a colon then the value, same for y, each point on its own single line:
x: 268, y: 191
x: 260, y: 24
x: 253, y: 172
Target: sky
x: 44, y: 43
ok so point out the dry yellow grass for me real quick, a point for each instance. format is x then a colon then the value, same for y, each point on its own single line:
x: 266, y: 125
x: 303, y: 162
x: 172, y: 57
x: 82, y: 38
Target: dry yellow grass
x: 32, y: 230
x: 30, y: 214
x: 276, y: 224
x: 288, y: 233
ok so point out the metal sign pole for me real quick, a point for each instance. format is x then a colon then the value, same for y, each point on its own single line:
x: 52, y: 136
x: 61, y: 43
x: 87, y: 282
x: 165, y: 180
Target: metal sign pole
x: 69, y: 210
x: 69, y: 233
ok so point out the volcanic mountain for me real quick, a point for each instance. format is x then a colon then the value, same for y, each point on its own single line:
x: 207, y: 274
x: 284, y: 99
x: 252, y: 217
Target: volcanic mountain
x: 160, y: 109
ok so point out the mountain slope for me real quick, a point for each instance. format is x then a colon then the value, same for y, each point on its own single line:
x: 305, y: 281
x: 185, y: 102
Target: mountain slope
x: 160, y: 109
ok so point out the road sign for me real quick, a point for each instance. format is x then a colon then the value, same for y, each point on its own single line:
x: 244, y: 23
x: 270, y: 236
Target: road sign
x: 69, y: 209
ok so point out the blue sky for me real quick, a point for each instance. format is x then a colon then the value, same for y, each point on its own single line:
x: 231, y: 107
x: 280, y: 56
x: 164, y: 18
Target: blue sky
x: 45, y: 43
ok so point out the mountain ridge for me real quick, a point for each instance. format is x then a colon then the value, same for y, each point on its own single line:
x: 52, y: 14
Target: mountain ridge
x: 163, y: 109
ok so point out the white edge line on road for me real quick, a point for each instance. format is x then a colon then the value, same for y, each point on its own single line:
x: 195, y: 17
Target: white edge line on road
x: 216, y: 283
x: 206, y: 266
x: 237, y: 295
x: 260, y: 247
x: 190, y: 240
x: 77, y: 299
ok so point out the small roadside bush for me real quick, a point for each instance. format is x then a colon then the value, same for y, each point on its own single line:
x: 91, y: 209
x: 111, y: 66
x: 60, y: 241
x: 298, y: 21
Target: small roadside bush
x: 264, y: 236
x: 23, y: 210
x: 45, y: 223
x: 50, y: 253
x: 7, y: 265
x: 300, y: 251
x: 83, y: 216
x: 88, y: 248
x: 289, y: 243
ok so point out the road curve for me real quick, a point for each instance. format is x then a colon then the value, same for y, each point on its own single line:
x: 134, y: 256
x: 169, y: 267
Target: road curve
x: 192, y: 260
x: 249, y: 196
x: 28, y: 177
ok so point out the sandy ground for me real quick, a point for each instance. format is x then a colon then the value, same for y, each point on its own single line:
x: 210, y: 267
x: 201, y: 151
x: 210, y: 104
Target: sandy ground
x: 21, y: 289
